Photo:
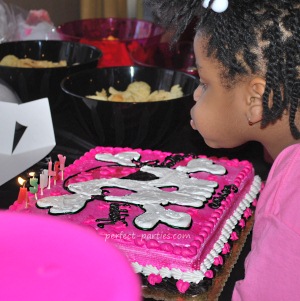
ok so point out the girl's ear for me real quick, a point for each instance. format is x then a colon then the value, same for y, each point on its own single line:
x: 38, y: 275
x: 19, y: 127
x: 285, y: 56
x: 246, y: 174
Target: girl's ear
x: 256, y: 90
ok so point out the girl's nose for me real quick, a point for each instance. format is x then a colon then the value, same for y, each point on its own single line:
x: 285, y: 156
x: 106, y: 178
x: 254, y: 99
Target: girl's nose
x: 197, y: 93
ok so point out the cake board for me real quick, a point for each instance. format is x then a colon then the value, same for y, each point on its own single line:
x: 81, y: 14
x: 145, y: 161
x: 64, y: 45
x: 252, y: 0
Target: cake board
x: 219, y: 281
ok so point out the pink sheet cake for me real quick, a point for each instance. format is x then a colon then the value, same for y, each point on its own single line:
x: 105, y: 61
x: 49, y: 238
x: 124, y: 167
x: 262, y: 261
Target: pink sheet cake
x: 174, y: 216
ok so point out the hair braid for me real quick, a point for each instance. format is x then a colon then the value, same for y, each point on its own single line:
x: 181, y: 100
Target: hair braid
x: 293, y: 110
x: 292, y: 81
x: 274, y: 54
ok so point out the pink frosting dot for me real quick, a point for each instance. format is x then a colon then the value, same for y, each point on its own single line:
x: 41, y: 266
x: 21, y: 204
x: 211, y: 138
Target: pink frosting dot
x: 200, y: 238
x: 167, y: 247
x: 153, y: 279
x: 234, y: 236
x: 207, y: 227
x: 93, y: 152
x: 242, y: 223
x: 218, y: 260
x: 219, y: 211
x: 247, y: 213
x: 196, y: 243
x: 189, y: 252
x: 212, y: 221
x: 119, y: 225
x: 139, y: 242
x: 177, y: 250
x: 209, y: 274
x: 182, y: 286
x: 153, y: 244
x: 204, y: 233
x: 226, y: 248
x: 226, y: 202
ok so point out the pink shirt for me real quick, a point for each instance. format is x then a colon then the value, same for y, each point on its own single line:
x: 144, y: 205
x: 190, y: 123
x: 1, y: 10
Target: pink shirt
x: 272, y: 268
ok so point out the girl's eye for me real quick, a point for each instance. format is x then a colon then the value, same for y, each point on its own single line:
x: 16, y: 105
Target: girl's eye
x: 202, y: 85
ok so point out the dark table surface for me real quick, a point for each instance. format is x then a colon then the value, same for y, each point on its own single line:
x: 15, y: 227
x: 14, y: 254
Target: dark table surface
x: 72, y: 142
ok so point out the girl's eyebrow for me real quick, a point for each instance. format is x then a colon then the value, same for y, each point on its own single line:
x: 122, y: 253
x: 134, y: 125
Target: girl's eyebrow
x: 198, y: 66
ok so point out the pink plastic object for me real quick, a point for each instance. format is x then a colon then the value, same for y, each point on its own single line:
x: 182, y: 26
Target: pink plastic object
x: 179, y: 57
x: 43, y: 259
x: 123, y: 29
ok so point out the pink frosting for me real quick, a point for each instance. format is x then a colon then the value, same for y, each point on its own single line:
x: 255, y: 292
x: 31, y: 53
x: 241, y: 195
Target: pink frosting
x: 182, y: 286
x: 153, y: 244
x: 247, y: 213
x: 242, y: 223
x: 218, y: 260
x: 234, y: 236
x: 226, y: 248
x: 154, y: 279
x: 209, y: 274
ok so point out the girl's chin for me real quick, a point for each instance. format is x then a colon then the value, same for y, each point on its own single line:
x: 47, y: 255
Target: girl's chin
x: 218, y: 144
x: 209, y: 142
x: 212, y: 143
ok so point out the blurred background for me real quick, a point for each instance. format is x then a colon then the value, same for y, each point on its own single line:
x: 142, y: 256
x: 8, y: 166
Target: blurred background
x: 67, y: 10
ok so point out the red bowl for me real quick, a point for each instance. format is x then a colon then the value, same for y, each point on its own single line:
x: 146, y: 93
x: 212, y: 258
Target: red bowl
x: 115, y: 37
x: 179, y: 57
x: 124, y: 29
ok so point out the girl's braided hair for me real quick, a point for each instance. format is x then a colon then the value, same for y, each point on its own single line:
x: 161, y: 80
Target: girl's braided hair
x: 260, y: 37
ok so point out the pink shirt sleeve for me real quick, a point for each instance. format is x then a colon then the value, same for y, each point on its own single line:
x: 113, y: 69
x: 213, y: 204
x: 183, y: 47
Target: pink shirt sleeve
x: 272, y: 267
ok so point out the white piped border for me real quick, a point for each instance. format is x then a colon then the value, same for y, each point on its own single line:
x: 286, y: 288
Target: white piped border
x: 198, y: 275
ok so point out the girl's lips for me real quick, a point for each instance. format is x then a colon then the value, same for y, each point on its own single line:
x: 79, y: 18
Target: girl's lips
x: 192, y: 124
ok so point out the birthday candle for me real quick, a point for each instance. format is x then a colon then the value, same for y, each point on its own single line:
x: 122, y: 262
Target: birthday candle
x: 62, y: 161
x: 22, y: 196
x: 56, y: 170
x: 43, y: 180
x: 33, y: 184
x: 51, y: 173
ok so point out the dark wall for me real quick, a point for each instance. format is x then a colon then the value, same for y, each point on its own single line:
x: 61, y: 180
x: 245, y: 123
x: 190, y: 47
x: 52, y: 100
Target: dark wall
x: 60, y: 11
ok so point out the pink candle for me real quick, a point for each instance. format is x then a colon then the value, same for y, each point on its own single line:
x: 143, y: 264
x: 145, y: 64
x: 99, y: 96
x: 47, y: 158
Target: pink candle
x: 51, y: 173
x: 62, y: 161
x: 56, y: 170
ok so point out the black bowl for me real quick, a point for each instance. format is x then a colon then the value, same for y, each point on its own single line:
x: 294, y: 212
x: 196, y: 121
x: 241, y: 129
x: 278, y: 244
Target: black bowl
x: 36, y: 83
x: 140, y: 124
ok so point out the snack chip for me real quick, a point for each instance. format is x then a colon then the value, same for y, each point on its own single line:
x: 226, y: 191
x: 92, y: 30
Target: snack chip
x: 100, y: 95
x: 13, y: 61
x: 138, y: 91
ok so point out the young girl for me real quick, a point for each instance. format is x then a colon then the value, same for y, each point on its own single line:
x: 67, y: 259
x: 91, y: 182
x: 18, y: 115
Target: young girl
x: 248, y: 59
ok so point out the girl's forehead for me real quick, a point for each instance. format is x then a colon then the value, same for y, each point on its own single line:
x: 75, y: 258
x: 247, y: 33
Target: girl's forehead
x: 202, y: 57
x: 210, y: 68
x: 200, y: 46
